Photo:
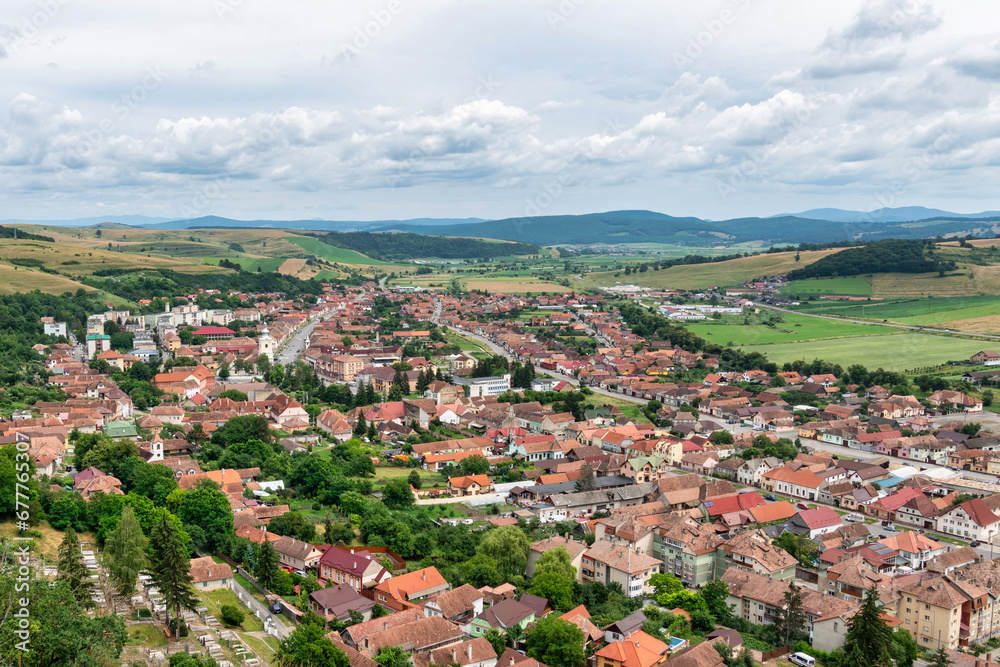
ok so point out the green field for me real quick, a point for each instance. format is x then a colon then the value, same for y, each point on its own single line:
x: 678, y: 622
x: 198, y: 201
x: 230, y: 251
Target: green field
x: 333, y: 253
x: 898, y: 352
x: 793, y: 328
x: 853, y: 286
x: 910, y: 311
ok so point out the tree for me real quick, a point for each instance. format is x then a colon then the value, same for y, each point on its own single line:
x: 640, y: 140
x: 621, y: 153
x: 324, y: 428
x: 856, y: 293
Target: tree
x: 702, y: 621
x: 414, y: 479
x: 231, y: 615
x: 557, y: 561
x: 378, y: 611
x: 790, y: 620
x: 715, y: 594
x: 207, y: 506
x: 869, y: 641
x: 585, y: 482
x: 393, y: 656
x: 171, y: 569
x: 555, y: 588
x: 397, y: 494
x: 125, y: 553
x: 267, y: 566
x: 73, y: 570
x: 62, y: 632
x: 508, y: 548
x: 308, y: 647
x: 905, y: 648
x: 941, y: 658
x: 556, y: 643
x: 474, y: 465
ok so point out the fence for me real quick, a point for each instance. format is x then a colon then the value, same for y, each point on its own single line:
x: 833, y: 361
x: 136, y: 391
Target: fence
x: 259, y: 609
x: 768, y: 655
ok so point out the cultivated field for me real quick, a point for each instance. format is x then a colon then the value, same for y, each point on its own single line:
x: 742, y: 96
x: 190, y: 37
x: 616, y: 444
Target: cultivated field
x: 719, y: 274
x: 852, y: 286
x: 22, y: 279
x: 898, y: 352
x: 794, y: 328
x: 332, y: 253
x: 513, y: 286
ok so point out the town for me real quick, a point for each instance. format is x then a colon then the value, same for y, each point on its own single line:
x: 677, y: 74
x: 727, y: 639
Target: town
x: 390, y: 476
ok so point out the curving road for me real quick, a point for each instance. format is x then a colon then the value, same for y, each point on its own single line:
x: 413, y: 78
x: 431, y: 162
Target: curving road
x: 880, y: 324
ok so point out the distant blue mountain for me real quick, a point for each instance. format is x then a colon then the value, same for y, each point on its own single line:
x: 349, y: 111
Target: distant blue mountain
x: 900, y: 214
x: 131, y: 220
x: 325, y: 225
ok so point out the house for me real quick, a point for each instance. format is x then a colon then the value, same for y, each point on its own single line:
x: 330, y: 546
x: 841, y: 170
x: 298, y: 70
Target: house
x: 296, y: 553
x: 752, y: 552
x: 914, y: 548
x: 940, y: 611
x: 459, y: 606
x: 606, y: 563
x: 501, y: 616
x: 477, y: 652
x: 207, y: 575
x: 470, y: 485
x: 687, y: 549
x: 401, y: 592
x: 425, y: 634
x: 752, y: 471
x: 639, y: 650
x: 798, y: 483
x: 972, y: 520
x: 815, y: 522
x: 337, y: 603
x: 624, y: 628
x: 359, y: 570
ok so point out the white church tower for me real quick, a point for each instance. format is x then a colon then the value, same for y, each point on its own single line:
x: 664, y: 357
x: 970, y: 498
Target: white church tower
x: 265, y: 344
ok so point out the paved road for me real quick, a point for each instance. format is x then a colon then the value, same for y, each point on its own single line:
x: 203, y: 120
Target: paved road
x: 880, y: 324
x: 291, y: 350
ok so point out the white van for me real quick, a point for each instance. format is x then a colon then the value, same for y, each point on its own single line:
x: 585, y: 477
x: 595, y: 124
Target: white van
x: 803, y: 659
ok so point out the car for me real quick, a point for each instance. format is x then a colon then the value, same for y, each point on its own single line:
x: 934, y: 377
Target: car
x: 881, y: 537
x: 854, y: 517
x: 885, y: 522
x: 275, y: 608
x: 288, y: 568
x: 802, y: 506
x: 974, y: 544
x: 771, y: 498
x: 301, y: 573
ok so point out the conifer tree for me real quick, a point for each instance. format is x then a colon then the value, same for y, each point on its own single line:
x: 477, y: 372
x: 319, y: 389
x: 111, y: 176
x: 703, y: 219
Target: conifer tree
x: 869, y: 640
x: 790, y: 621
x: 171, y: 569
x: 267, y: 566
x: 941, y: 659
x: 73, y: 570
x: 125, y: 553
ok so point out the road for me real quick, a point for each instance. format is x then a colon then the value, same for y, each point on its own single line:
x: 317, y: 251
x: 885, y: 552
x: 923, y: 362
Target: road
x: 880, y: 324
x: 295, y: 345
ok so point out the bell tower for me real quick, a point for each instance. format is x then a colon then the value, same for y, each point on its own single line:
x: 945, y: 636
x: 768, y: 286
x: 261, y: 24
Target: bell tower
x: 265, y: 344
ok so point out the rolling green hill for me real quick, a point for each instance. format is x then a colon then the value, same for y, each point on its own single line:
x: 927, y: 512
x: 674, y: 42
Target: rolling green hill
x: 395, y: 246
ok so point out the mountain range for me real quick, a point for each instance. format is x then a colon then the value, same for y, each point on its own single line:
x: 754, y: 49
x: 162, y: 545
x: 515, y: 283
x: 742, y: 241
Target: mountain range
x: 615, y: 227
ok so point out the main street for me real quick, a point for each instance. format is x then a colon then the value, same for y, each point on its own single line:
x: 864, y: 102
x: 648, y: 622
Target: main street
x: 295, y: 345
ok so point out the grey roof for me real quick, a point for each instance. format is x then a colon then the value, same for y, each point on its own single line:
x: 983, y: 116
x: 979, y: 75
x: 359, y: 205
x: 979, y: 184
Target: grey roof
x: 634, y: 492
x: 568, y: 487
x: 629, y: 624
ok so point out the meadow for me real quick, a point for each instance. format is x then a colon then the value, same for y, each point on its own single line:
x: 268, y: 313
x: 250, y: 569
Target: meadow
x: 333, y: 253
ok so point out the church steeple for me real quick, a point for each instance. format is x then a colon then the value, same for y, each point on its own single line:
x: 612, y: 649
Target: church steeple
x: 265, y: 344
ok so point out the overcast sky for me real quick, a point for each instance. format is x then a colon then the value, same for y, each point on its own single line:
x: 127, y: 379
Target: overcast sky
x: 375, y: 109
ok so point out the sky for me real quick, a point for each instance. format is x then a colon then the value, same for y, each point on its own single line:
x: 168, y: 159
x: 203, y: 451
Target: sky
x: 395, y: 109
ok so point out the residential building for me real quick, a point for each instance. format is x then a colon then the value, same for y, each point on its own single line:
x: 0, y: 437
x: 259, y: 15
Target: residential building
x: 402, y: 591
x: 337, y: 603
x: 605, y: 563
x: 207, y: 575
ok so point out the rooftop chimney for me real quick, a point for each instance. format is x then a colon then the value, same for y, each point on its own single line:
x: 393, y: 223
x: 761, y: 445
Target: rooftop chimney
x: 512, y: 661
x: 424, y: 575
x: 385, y: 625
x: 468, y: 650
x: 454, y: 655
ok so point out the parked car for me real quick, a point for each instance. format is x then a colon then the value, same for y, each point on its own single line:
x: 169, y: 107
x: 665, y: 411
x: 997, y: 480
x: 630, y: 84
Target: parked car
x: 771, y: 498
x: 802, y: 506
x: 854, y: 517
x: 974, y: 544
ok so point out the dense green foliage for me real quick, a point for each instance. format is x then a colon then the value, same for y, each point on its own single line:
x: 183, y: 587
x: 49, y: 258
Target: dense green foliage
x: 135, y: 284
x: 890, y: 256
x: 397, y: 246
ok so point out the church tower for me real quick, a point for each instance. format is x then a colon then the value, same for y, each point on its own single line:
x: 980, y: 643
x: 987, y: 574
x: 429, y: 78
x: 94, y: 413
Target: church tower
x: 265, y: 344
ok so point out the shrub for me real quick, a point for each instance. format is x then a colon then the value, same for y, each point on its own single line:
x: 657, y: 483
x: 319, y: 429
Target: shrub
x: 231, y: 615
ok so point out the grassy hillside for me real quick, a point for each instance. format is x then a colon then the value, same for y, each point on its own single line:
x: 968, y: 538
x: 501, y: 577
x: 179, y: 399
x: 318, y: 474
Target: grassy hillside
x: 721, y: 274
x: 332, y: 253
